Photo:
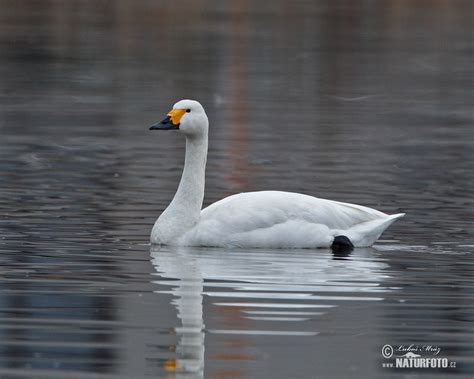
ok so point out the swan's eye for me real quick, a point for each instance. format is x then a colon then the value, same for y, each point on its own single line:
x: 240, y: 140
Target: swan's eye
x: 188, y: 110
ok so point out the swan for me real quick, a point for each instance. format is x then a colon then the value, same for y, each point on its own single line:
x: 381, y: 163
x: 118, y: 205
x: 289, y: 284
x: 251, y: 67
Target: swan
x: 264, y: 219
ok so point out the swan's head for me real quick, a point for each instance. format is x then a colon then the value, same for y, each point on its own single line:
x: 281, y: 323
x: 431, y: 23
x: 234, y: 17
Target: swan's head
x: 187, y: 116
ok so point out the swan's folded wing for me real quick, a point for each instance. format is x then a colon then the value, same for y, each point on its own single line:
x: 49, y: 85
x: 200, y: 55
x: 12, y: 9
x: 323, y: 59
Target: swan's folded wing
x: 251, y: 210
x: 284, y: 219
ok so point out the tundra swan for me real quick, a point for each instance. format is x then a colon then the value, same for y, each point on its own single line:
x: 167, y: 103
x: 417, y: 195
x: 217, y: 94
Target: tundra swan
x: 266, y: 219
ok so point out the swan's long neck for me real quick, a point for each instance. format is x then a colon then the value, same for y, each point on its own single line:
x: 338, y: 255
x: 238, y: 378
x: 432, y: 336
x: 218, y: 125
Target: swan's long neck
x: 185, y: 210
x: 190, y: 193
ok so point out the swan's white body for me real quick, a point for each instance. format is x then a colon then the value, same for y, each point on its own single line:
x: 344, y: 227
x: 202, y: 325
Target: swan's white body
x: 270, y: 219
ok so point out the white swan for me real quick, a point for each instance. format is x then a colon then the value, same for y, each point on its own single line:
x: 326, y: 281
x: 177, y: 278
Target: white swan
x: 271, y: 219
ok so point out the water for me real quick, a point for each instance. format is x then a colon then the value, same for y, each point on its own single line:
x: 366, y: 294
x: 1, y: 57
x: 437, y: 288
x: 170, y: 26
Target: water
x: 367, y: 103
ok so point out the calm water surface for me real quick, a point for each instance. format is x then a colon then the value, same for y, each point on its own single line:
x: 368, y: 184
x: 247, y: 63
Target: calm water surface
x: 369, y: 104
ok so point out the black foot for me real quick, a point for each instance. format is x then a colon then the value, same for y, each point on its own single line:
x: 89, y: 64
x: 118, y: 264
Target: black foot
x: 342, y: 244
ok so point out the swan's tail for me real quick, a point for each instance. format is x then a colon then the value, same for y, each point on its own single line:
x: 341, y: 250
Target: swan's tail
x: 366, y: 233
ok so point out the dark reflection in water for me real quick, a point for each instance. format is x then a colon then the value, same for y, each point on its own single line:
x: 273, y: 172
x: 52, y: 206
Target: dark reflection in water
x: 362, y: 102
x: 258, y: 294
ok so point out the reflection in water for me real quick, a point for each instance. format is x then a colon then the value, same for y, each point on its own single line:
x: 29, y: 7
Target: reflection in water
x: 277, y: 290
x: 188, y: 295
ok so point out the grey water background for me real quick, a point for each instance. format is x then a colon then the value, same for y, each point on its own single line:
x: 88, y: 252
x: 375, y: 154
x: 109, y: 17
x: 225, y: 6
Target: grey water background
x: 366, y: 102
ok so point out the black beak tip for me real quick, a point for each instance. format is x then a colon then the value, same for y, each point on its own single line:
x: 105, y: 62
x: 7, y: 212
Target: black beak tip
x: 166, y: 124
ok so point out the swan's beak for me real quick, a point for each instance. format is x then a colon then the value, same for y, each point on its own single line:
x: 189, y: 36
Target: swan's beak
x: 170, y: 122
x: 166, y: 124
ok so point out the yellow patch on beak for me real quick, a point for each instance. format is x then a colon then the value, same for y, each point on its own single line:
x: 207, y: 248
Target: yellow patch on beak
x: 175, y: 115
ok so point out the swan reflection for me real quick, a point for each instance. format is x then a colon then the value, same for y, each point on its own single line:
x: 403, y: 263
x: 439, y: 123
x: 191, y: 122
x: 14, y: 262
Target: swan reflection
x: 267, y: 292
